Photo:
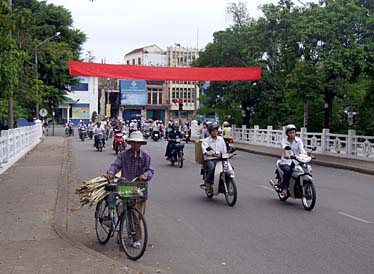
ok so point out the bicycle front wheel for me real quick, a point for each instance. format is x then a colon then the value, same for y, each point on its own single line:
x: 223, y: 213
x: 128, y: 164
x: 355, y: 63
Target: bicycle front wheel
x: 133, y: 233
x: 103, y: 222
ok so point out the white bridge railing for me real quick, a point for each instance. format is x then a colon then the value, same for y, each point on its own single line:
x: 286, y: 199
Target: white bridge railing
x: 14, y: 143
x: 350, y: 145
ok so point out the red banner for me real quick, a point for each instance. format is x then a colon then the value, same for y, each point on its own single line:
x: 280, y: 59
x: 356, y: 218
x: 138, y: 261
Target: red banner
x: 163, y: 73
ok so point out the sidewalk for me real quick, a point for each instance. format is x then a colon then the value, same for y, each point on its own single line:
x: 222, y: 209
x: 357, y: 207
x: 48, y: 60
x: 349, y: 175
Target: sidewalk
x: 361, y: 166
x: 32, y: 233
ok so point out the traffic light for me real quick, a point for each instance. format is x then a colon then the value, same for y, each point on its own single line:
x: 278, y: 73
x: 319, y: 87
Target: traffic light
x: 180, y: 104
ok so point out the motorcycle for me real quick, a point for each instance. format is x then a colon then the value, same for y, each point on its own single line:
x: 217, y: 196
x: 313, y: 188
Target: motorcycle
x: 223, y: 179
x: 66, y: 130
x: 147, y: 134
x: 91, y: 132
x: 107, y: 130
x: 230, y: 144
x: 100, y: 141
x: 176, y: 154
x: 155, y: 135
x: 187, y: 136
x: 82, y: 132
x: 119, y: 142
x: 301, y: 184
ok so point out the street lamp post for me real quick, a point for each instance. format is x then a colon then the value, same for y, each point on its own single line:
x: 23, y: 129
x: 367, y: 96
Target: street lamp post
x: 36, y: 68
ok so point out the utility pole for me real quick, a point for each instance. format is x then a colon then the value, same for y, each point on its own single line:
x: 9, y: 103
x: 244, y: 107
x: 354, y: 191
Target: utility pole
x: 10, y: 98
x: 36, y: 69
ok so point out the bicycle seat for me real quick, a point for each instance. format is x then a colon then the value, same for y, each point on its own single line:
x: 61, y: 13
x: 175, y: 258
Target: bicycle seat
x: 110, y: 187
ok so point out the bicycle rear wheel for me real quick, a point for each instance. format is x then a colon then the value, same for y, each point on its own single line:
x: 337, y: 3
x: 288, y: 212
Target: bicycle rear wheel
x: 133, y: 229
x: 103, y: 222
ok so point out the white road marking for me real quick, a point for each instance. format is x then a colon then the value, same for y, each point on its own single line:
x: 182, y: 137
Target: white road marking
x: 354, y: 218
x: 266, y: 187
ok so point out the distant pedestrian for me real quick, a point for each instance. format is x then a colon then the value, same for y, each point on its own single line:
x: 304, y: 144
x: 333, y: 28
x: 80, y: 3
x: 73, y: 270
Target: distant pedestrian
x: 45, y: 127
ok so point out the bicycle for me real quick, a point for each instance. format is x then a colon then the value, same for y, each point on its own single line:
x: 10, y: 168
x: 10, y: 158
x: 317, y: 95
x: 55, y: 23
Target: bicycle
x: 126, y: 219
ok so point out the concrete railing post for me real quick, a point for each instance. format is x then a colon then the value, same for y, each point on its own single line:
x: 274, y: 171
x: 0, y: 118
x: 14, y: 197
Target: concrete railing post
x: 244, y: 133
x: 269, y: 136
x: 325, y: 140
x: 351, y: 142
x: 5, y: 133
x: 304, y: 135
x: 255, y: 132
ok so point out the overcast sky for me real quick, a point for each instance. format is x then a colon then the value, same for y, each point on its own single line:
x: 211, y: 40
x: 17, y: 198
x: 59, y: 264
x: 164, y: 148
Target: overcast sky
x: 115, y: 27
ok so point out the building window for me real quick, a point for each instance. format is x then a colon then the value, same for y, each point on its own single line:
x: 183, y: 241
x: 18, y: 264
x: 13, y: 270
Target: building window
x: 133, y: 62
x: 149, y: 98
x: 139, y: 61
x: 128, y: 62
x: 154, y: 98
x: 160, y: 98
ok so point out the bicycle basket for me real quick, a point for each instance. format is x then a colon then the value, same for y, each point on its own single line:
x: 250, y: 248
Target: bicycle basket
x: 128, y: 189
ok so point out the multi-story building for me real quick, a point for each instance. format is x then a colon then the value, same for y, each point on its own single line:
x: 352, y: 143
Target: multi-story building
x: 176, y: 100
x: 186, y: 92
x: 157, y: 103
x: 81, y: 101
x: 147, y: 56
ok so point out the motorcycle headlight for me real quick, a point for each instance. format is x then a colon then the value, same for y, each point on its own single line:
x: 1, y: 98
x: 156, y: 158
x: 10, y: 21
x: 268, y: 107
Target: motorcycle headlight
x: 231, y: 173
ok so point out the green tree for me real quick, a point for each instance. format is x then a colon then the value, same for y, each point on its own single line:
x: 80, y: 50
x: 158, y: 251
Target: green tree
x: 34, y: 24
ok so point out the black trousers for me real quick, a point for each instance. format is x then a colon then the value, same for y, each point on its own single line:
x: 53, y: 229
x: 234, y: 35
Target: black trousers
x: 169, y: 147
x: 210, y: 166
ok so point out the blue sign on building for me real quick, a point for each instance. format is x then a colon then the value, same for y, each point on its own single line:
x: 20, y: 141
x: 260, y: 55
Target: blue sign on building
x: 81, y: 87
x: 133, y: 92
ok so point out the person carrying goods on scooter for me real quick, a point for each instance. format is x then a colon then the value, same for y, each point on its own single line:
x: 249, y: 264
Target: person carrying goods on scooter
x: 98, y: 129
x: 291, y: 146
x: 172, y: 137
x: 213, y: 146
x: 133, y: 163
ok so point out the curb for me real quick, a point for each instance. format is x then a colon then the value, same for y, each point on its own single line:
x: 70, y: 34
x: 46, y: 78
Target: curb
x: 59, y: 223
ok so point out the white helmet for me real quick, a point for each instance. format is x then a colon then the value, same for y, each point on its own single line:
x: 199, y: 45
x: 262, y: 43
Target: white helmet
x: 289, y: 128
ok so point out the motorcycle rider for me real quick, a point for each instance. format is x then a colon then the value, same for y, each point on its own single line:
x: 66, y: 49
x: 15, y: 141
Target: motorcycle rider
x: 81, y: 124
x: 117, y: 128
x: 99, y: 129
x: 172, y: 137
x: 286, y: 164
x: 227, y: 134
x: 210, y: 157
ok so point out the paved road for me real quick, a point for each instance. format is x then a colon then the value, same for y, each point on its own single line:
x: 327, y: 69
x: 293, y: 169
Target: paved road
x: 192, y: 234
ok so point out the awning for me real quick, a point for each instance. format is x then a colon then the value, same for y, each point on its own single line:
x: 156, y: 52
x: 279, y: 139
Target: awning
x: 77, y: 68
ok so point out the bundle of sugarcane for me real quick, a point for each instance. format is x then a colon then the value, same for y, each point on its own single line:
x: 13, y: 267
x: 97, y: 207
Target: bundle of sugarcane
x: 92, y: 191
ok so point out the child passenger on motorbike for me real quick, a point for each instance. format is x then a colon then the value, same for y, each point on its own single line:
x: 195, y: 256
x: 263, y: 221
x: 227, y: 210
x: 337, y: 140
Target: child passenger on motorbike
x: 218, y: 146
x: 172, y: 137
x: 291, y: 146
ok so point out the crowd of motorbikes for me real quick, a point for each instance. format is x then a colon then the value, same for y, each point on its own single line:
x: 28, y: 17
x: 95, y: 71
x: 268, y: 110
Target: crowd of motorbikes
x: 300, y: 186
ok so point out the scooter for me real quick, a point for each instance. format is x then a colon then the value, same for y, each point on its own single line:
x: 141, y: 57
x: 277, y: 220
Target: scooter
x: 187, y: 136
x: 155, y: 135
x: 301, y: 184
x: 119, y: 142
x: 91, y: 132
x: 176, y: 154
x: 100, y: 141
x: 230, y: 144
x: 147, y: 133
x: 82, y: 132
x: 66, y: 130
x: 223, y: 179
